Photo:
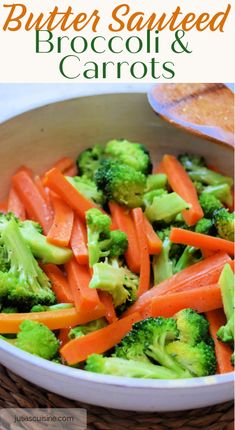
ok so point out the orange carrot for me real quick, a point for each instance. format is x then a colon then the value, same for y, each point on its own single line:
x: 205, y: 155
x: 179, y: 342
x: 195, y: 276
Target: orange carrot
x: 64, y: 164
x: 232, y: 265
x: 122, y: 218
x: 144, y: 282
x: 4, y: 206
x: 223, y: 351
x: 186, y: 237
x: 72, y: 171
x: 45, y: 193
x: 35, y: 205
x: 25, y: 169
x: 205, y: 272
x: 15, y: 205
x: 86, y: 299
x: 59, y: 283
x: 57, y: 183
x: 207, y: 252
x: 99, y: 341
x: 63, y: 336
x: 154, y: 242
x: 57, y: 319
x: 110, y: 313
x: 181, y: 183
x: 78, y: 241
x: 202, y: 299
x: 61, y: 229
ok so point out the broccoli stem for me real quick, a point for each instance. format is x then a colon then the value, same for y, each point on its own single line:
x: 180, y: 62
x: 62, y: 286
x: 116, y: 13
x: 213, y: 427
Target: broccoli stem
x: 42, y: 249
x: 226, y: 283
x: 221, y: 192
x: 156, y: 181
x: 188, y: 258
x: 207, y: 176
x: 162, y: 265
x: 166, y: 207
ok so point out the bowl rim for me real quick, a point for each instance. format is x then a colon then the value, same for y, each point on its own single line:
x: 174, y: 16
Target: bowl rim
x: 86, y: 376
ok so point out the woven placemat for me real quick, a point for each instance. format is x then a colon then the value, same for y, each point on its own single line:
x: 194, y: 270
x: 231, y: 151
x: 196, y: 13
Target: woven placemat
x: 16, y: 392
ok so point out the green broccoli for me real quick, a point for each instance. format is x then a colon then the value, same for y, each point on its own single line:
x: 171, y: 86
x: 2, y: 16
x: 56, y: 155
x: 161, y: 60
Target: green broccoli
x: 37, y: 339
x: 132, y: 346
x: 221, y: 191
x: 87, y: 188
x: 120, y: 282
x: 9, y: 310
x: 189, y: 256
x: 204, y: 226
x: 129, y: 368
x: 199, y: 359
x: 209, y: 204
x: 149, y: 196
x: 226, y: 283
x: 121, y: 183
x: 156, y: 182
x: 224, y: 223
x: 193, y: 327
x: 89, y: 160
x: 165, y: 207
x: 101, y: 241
x: 25, y: 284
x: 32, y: 235
x: 162, y: 264
x: 198, y: 171
x: 134, y: 155
x: 82, y: 330
x: 57, y: 307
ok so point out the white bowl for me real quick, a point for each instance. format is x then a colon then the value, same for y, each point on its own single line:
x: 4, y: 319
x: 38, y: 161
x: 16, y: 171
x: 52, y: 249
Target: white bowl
x: 38, y: 138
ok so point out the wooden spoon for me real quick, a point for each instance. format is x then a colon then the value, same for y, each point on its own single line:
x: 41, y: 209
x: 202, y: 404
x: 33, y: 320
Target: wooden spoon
x: 203, y: 109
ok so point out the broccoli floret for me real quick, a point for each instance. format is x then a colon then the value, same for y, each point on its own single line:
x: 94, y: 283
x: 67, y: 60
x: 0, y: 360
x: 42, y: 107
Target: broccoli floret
x: 199, y: 187
x: 193, y: 328
x: 120, y: 282
x: 166, y: 207
x: 209, y: 204
x: 89, y: 160
x: 87, y: 188
x: 204, y: 226
x: 121, y: 183
x: 191, y: 161
x: 129, y: 368
x: 25, y: 284
x: 37, y: 339
x: 221, y: 191
x: 224, y: 223
x: 162, y: 264
x: 101, y: 241
x: 82, y: 330
x: 57, y: 307
x: 199, y: 359
x: 32, y: 235
x: 132, y: 154
x: 132, y: 346
x: 189, y: 256
x: 156, y: 182
x: 149, y: 197
x: 226, y: 283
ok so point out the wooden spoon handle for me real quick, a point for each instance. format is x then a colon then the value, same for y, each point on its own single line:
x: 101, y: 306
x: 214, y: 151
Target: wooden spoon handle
x: 203, y: 109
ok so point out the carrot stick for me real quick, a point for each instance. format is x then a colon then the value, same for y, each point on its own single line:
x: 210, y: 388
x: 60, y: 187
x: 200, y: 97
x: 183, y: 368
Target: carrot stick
x: 61, y: 229
x: 78, y: 241
x: 57, y: 183
x: 207, y: 252
x: 223, y: 351
x: 144, y: 282
x: 181, y: 183
x: 122, y: 218
x: 232, y: 265
x: 72, y: 171
x: 25, y: 169
x: 110, y: 313
x: 35, y: 205
x: 64, y: 164
x: 187, y: 237
x: 59, y: 283
x: 4, y: 206
x: 63, y: 336
x: 205, y: 272
x: 202, y: 299
x: 86, y: 299
x: 9, y: 323
x: 154, y: 242
x: 15, y: 205
x: 99, y: 341
x: 43, y: 191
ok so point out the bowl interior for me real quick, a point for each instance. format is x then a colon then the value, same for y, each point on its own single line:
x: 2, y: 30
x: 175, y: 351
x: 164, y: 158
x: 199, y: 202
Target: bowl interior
x: 41, y: 136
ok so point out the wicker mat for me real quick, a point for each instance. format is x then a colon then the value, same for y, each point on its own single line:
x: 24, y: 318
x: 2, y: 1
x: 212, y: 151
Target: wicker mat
x: 16, y: 392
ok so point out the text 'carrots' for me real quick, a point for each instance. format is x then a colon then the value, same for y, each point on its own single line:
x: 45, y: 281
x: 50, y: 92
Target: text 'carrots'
x: 187, y: 237
x: 205, y: 272
x: 15, y: 205
x: 59, y: 184
x: 61, y: 229
x: 59, y: 283
x: 181, y: 183
x: 78, y: 241
x: 35, y: 205
x: 223, y: 351
x: 102, y: 340
x: 122, y: 218
x: 139, y: 221
x: 200, y: 299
